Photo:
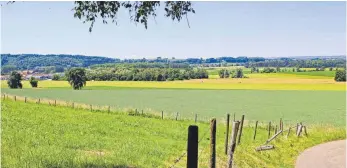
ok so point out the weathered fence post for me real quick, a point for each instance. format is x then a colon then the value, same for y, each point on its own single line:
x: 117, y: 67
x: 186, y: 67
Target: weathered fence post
x: 196, y: 117
x: 275, y: 129
x: 281, y: 128
x: 192, y: 147
x: 305, y: 131
x: 227, y: 134
x: 25, y: 99
x: 15, y: 98
x: 213, y: 143
x: 91, y: 107
x: 162, y: 115
x: 255, y: 130
x: 288, y: 132
x: 176, y: 116
x: 39, y: 101
x: 233, y: 143
x: 55, y: 102
x: 299, y: 130
x: 241, y: 126
x: 269, y: 130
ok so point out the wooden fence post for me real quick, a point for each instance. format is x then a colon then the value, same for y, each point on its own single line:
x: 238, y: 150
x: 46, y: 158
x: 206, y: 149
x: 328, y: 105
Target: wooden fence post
x: 275, y: 129
x: 55, y: 102
x: 91, y: 107
x: 288, y: 132
x: 299, y: 130
x: 15, y: 98
x: 255, y: 130
x: 176, y: 116
x: 162, y: 115
x: 25, y: 99
x: 241, y: 126
x: 269, y: 130
x: 39, y: 100
x: 196, y: 117
x: 233, y: 143
x: 281, y: 124
x: 227, y: 135
x: 192, y: 147
x: 305, y: 131
x: 234, y: 116
x: 73, y: 105
x: 213, y: 143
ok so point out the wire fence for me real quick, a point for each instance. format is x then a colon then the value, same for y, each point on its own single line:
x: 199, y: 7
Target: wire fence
x: 184, y: 153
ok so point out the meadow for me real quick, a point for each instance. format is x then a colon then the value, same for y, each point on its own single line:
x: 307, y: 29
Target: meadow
x: 38, y: 135
x: 326, y: 107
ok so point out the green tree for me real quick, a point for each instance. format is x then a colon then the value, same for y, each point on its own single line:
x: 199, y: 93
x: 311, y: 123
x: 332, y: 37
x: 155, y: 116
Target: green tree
x: 33, y: 82
x: 14, y: 80
x: 76, y: 78
x: 238, y: 73
x: 224, y: 73
x: 139, y: 11
x: 340, y: 75
x: 55, y: 77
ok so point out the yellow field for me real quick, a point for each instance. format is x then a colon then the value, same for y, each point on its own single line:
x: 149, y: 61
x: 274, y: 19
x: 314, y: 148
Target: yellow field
x: 255, y: 82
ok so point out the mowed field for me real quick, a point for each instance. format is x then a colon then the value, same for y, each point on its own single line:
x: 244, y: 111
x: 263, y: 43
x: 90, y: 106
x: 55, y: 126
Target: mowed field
x: 263, y: 97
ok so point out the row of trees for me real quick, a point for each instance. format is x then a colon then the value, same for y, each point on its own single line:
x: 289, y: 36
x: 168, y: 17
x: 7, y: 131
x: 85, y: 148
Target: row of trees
x: 145, y: 74
x: 316, y: 63
x: 225, y: 73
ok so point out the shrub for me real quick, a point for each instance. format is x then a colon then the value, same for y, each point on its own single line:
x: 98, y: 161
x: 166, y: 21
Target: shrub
x: 340, y: 75
x: 33, y: 82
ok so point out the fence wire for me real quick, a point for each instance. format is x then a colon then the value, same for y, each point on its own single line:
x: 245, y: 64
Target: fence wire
x: 184, y: 153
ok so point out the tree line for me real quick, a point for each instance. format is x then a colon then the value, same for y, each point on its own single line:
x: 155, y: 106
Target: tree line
x: 145, y: 74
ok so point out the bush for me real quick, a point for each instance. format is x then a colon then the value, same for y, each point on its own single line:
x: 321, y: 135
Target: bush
x: 14, y: 80
x: 33, y: 82
x: 340, y: 75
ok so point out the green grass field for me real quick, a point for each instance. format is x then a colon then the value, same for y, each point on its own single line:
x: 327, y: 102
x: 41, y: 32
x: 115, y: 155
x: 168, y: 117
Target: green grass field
x: 324, y: 107
x: 38, y: 135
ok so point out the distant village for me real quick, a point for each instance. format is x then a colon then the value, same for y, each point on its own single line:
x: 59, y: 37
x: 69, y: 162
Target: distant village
x: 27, y: 74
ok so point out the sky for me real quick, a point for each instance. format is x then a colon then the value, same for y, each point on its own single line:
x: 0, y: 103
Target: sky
x: 265, y: 29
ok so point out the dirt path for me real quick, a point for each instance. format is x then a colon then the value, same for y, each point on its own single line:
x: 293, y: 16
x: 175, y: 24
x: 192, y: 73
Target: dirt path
x: 327, y: 155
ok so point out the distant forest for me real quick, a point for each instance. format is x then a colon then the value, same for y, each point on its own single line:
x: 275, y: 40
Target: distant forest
x: 56, y: 63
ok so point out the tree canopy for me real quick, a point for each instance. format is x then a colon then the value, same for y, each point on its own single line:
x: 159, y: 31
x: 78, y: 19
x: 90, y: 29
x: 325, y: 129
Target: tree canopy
x: 76, y: 78
x: 14, y: 81
x: 139, y: 11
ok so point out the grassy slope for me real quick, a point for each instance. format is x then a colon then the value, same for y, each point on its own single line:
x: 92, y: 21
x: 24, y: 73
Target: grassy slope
x: 319, y: 107
x: 43, y: 136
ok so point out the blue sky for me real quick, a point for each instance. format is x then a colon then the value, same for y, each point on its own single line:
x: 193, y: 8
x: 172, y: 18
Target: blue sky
x: 267, y: 29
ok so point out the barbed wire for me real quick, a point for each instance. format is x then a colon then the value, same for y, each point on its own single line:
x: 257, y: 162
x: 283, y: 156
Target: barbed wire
x: 183, y: 154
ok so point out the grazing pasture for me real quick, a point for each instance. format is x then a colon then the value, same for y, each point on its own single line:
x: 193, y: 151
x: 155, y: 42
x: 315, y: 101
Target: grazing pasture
x: 38, y: 135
